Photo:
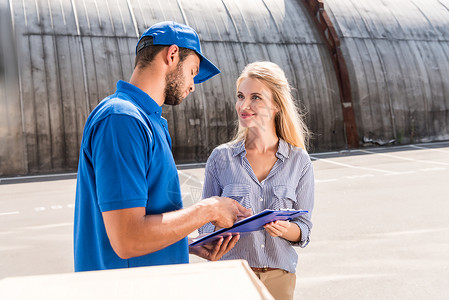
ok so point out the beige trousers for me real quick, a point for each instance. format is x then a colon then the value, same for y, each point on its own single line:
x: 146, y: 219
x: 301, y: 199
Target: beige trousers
x: 281, y: 284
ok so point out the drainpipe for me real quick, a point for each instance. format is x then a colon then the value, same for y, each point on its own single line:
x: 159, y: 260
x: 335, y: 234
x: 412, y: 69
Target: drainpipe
x: 332, y: 41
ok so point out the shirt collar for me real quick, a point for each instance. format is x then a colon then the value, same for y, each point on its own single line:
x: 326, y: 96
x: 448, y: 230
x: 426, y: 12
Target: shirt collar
x: 238, y: 148
x: 140, y: 97
x: 282, y: 152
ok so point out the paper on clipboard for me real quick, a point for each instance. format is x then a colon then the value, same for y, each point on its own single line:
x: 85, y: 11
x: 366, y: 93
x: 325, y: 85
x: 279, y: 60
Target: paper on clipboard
x: 253, y: 223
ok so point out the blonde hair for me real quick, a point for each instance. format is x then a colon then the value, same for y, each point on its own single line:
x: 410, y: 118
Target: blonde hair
x: 288, y: 121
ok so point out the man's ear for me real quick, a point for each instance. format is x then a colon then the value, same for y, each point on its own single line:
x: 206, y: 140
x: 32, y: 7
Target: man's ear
x: 172, y: 55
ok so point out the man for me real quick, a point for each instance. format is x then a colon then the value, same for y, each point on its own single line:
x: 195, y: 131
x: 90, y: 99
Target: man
x: 128, y: 209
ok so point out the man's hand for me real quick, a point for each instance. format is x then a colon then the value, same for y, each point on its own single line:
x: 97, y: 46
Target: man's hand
x: 239, y: 218
x: 226, y: 211
x: 215, y: 250
x: 277, y: 228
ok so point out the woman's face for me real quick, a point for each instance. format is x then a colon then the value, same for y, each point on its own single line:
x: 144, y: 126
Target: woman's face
x: 255, y: 106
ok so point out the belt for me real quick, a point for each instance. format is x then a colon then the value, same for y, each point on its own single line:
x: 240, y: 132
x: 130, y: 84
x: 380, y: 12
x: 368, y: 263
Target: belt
x: 264, y: 269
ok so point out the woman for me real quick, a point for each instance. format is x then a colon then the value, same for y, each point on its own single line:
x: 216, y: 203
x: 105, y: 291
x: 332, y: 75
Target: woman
x: 266, y: 167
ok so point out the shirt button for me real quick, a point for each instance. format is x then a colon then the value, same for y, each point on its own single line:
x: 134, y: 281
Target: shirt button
x: 261, y: 199
x: 262, y: 246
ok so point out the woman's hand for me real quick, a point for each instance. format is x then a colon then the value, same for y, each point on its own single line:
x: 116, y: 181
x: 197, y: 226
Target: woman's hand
x: 285, y: 229
x: 277, y: 228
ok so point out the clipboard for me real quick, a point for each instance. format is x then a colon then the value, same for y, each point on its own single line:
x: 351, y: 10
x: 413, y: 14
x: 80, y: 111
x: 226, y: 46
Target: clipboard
x: 253, y: 223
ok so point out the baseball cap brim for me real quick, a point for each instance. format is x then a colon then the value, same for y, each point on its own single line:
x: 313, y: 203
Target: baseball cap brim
x: 206, y: 71
x: 172, y: 33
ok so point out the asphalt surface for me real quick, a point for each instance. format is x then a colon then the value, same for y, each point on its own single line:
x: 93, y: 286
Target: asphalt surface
x: 381, y: 224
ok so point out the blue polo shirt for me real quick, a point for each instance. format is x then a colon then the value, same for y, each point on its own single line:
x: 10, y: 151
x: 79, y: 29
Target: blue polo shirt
x: 125, y: 161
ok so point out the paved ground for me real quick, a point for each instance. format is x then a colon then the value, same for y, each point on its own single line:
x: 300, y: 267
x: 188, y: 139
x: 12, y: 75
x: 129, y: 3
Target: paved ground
x: 381, y: 225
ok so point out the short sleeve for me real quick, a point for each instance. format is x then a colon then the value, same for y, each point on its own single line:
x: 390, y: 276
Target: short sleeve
x: 120, y: 148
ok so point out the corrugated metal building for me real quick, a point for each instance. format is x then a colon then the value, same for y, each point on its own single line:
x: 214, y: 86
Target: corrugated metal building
x: 70, y: 54
x: 397, y: 53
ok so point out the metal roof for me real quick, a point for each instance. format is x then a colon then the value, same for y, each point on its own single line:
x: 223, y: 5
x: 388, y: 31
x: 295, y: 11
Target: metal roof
x: 69, y: 55
x: 398, y: 59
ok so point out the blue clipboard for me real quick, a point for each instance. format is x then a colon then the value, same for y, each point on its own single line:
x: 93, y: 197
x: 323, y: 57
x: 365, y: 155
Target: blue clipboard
x: 253, y: 223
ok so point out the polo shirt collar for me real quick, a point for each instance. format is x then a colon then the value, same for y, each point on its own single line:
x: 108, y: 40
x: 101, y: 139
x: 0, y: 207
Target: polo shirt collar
x: 140, y: 97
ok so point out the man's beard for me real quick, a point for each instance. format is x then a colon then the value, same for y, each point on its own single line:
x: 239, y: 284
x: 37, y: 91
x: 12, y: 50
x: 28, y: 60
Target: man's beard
x: 173, y: 92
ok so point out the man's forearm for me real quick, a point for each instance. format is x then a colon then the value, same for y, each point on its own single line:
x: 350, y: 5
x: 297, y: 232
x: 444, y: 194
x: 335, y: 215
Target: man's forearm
x: 132, y: 233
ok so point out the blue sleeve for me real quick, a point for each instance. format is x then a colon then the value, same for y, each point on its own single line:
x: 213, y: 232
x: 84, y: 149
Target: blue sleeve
x: 120, y: 148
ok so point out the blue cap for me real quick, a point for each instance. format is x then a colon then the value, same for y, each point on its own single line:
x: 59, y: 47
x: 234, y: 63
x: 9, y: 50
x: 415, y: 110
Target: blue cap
x: 172, y: 33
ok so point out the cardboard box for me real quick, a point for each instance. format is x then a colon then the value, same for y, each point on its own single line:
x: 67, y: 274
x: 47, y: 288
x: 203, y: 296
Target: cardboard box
x: 211, y: 280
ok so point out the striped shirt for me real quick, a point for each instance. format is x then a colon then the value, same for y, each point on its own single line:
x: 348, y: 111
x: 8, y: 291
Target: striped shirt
x: 290, y: 184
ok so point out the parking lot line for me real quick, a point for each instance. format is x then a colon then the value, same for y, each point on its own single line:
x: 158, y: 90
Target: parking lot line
x: 406, y: 158
x: 428, y: 148
x: 354, y: 167
x: 9, y: 213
